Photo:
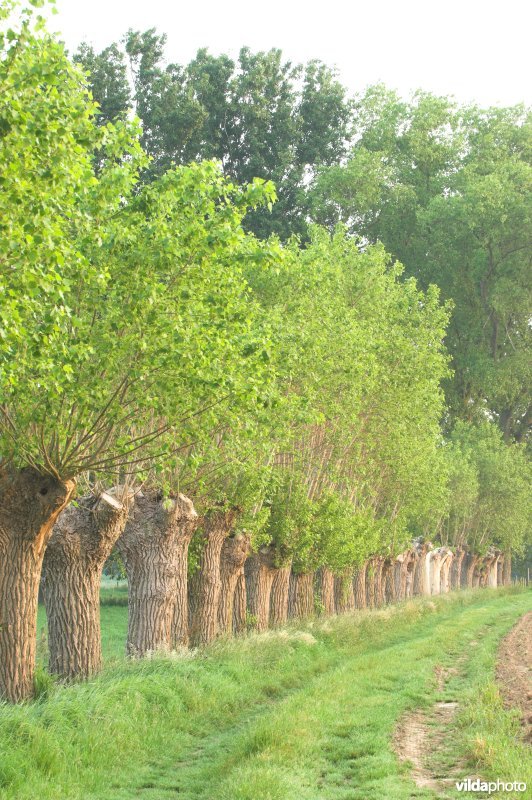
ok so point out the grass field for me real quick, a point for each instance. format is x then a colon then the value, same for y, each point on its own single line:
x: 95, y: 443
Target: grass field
x: 302, y: 713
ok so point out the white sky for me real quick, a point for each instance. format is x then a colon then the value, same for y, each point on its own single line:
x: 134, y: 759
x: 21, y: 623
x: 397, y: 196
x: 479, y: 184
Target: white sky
x: 477, y: 50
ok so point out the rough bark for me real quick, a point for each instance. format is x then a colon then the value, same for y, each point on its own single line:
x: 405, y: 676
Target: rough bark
x: 240, y: 604
x: 235, y: 550
x: 325, y: 590
x: 487, y: 568
x: 82, y: 540
x: 447, y: 560
x: 344, y: 594
x: 421, y: 583
x: 388, y: 581
x: 468, y: 568
x: 477, y: 574
x: 154, y: 547
x: 207, y: 581
x: 456, y: 568
x: 409, y: 573
x: 399, y: 576
x: 359, y: 585
x: 500, y: 570
x: 436, y: 557
x: 30, y: 504
x: 301, y: 595
x: 507, y: 569
x: 279, y: 595
x: 370, y: 583
x: 378, y: 583
x: 493, y: 571
x: 260, y: 571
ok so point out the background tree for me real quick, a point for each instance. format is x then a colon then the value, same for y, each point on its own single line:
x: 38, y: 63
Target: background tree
x: 447, y: 190
x: 261, y: 117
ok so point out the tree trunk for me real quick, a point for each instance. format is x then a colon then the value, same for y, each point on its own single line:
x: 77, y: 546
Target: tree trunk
x: 500, y: 570
x: 399, y: 576
x: 240, y: 604
x: 235, y: 550
x: 468, y: 568
x: 427, y: 573
x: 456, y: 569
x: 301, y: 595
x: 325, y: 590
x: 279, y: 595
x: 154, y: 547
x: 359, y: 585
x: 207, y: 581
x: 435, y: 571
x: 388, y: 581
x: 260, y: 571
x: 30, y: 504
x: 409, y: 576
x: 370, y: 582
x: 82, y: 540
x: 344, y: 594
x: 507, y: 569
x: 446, y: 563
x: 379, y: 584
x: 420, y: 571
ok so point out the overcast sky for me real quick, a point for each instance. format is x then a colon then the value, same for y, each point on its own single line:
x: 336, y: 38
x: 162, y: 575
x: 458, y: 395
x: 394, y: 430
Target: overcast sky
x: 477, y: 50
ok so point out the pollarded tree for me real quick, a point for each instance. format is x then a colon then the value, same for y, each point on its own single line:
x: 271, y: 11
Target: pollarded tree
x: 82, y: 540
x: 364, y: 350
x: 124, y: 315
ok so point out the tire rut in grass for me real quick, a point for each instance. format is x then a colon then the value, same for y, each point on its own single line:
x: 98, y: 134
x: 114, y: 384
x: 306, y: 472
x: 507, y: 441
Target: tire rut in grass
x: 422, y: 736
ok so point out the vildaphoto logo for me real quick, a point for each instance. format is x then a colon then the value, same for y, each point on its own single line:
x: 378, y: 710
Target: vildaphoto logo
x: 476, y: 785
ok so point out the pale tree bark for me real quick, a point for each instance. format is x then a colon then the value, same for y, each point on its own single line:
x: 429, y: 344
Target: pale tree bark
x: 456, y: 568
x: 435, y: 570
x: 240, y: 604
x: 235, y: 550
x: 359, y: 585
x: 279, y: 595
x: 421, y: 574
x: 447, y: 560
x: 82, y: 540
x: 154, y: 547
x: 301, y: 595
x: 260, y: 571
x: 206, y: 584
x: 494, y: 568
x: 30, y: 504
x: 325, y: 589
x: 427, y: 572
x: 344, y: 594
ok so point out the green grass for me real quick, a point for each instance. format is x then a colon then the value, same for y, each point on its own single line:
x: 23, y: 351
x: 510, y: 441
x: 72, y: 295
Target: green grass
x: 302, y: 713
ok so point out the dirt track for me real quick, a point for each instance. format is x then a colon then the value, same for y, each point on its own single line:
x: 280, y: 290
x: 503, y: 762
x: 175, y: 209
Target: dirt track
x: 514, y: 665
x: 421, y: 734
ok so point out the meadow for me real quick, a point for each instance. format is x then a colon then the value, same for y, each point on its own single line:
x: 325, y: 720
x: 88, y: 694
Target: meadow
x: 303, y: 712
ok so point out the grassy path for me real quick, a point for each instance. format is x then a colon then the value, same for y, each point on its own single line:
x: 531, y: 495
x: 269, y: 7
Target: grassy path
x: 303, y: 713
